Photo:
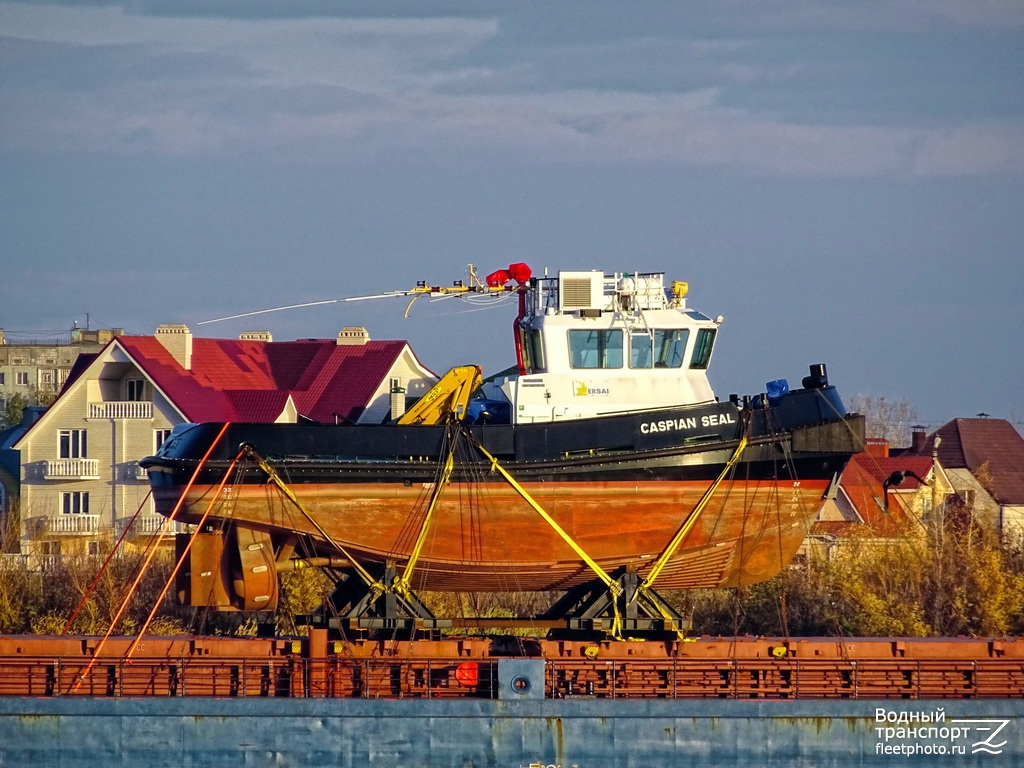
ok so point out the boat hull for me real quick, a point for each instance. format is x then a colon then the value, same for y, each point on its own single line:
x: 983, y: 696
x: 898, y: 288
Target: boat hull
x: 488, y: 538
x: 364, y: 495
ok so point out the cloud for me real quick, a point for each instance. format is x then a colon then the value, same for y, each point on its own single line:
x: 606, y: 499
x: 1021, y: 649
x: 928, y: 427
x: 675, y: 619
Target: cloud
x: 971, y: 149
x: 356, y: 53
x: 888, y: 16
x: 333, y: 90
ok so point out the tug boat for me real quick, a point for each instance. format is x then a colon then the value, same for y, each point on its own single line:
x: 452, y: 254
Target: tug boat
x: 606, y: 427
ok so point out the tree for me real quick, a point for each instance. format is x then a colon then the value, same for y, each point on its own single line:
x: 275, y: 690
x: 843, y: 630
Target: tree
x: 891, y: 420
x: 953, y: 577
x: 12, y: 415
x: 12, y: 410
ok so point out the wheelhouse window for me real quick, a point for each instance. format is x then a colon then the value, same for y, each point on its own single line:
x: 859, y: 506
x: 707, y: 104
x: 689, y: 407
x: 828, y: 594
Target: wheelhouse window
x: 702, y: 348
x: 134, y: 390
x: 532, y: 349
x: 73, y: 444
x: 663, y: 348
x: 74, y: 503
x: 536, y: 350
x: 595, y: 349
x: 640, y: 351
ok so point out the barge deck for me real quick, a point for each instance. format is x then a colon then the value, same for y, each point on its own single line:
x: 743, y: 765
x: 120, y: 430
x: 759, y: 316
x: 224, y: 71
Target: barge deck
x: 474, y: 668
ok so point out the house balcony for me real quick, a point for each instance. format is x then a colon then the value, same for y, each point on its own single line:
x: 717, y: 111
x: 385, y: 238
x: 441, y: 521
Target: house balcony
x: 13, y: 562
x: 150, y: 524
x: 72, y: 469
x: 63, y: 525
x: 121, y: 409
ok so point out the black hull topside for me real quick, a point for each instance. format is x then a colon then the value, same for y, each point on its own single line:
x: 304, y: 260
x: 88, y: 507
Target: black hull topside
x: 805, y: 434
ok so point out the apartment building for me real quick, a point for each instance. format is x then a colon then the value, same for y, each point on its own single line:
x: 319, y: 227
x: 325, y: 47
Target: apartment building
x: 32, y: 366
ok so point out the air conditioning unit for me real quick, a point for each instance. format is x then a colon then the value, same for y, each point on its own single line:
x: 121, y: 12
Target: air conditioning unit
x: 579, y: 291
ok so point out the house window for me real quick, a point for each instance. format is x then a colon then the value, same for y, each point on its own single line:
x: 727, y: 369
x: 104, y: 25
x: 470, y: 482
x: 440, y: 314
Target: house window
x: 46, y: 381
x: 21, y: 378
x: 2, y: 377
x: 161, y: 436
x: 133, y: 389
x: 73, y: 444
x: 49, y: 548
x: 74, y: 503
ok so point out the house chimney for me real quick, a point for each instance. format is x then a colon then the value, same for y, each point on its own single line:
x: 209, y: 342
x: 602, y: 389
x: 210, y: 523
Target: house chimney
x: 878, y: 447
x: 255, y: 336
x: 177, y: 339
x: 918, y: 441
x: 353, y: 336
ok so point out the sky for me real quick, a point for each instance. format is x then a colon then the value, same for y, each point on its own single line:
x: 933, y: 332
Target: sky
x: 843, y: 182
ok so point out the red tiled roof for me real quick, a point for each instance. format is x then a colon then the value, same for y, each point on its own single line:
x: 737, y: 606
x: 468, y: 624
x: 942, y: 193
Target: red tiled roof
x: 261, y: 406
x: 862, y: 482
x: 835, y: 528
x: 880, y: 469
x: 232, y: 380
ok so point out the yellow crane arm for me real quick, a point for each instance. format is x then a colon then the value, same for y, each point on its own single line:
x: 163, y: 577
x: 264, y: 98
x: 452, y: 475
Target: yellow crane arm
x: 447, y: 399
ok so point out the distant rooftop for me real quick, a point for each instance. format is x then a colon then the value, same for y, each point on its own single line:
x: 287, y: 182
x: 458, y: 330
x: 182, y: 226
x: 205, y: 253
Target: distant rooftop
x: 59, y: 338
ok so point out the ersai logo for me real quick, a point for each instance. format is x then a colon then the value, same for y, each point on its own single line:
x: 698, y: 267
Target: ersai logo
x: 582, y: 389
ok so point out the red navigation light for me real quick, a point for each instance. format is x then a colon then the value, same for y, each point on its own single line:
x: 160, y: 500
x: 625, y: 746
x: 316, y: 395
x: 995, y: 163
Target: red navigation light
x: 520, y: 272
x: 499, y: 278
